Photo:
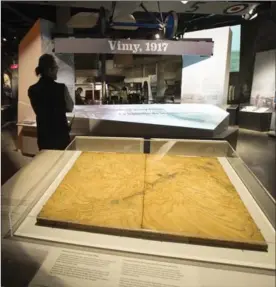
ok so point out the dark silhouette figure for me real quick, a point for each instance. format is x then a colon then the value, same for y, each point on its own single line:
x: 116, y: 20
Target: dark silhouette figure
x: 78, y: 98
x: 50, y: 102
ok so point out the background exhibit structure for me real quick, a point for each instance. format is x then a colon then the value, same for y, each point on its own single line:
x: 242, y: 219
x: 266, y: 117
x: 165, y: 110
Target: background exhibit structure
x: 132, y: 52
x: 36, y: 43
x: 174, y: 121
x: 138, y: 76
x: 64, y: 48
x: 206, y: 79
x: 149, y: 121
x: 264, y: 80
x: 258, y: 115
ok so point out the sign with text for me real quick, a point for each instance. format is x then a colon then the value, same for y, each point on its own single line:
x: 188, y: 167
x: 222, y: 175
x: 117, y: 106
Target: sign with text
x: 70, y: 268
x: 202, y: 47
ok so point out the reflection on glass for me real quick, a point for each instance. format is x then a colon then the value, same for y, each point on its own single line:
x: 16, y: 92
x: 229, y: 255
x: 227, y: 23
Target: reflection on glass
x: 129, y: 79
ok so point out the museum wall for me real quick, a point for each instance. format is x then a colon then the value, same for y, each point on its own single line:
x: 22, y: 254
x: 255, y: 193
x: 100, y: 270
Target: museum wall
x: 34, y: 44
x: 66, y: 72
x: 206, y: 80
x: 256, y: 36
x: 264, y: 79
x: 37, y: 42
x: 30, y: 49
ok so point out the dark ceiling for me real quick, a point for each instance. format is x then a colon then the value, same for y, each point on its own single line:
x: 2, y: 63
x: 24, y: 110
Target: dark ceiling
x: 18, y: 18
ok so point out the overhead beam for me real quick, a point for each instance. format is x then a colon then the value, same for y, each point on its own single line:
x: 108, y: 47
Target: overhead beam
x: 165, y: 59
x: 200, y: 47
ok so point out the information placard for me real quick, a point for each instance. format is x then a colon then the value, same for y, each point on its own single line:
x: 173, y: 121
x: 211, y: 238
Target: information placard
x: 202, y: 47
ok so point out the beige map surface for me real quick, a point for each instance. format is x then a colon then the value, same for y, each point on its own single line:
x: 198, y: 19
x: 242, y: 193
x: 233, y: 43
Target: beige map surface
x: 186, y: 199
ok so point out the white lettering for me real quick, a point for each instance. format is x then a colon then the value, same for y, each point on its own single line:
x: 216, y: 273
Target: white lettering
x: 126, y: 47
x: 119, y: 45
x: 136, y: 48
x: 165, y: 46
x: 112, y: 45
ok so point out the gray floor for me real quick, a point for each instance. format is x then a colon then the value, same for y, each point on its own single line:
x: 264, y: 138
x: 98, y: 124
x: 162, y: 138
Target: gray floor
x: 256, y: 149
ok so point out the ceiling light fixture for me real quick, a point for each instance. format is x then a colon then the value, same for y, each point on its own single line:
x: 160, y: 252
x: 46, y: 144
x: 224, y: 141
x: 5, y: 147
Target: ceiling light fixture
x: 251, y: 14
x: 251, y: 11
x: 254, y: 16
x: 184, y: 2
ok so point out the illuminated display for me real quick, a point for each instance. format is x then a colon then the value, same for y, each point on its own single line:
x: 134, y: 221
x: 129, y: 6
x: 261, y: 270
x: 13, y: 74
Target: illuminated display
x: 235, y: 48
x: 199, y: 116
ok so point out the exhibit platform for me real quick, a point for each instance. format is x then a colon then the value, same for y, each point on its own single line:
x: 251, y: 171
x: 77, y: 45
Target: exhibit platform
x: 254, y: 118
x: 184, y: 121
x: 46, y: 255
x: 150, y: 121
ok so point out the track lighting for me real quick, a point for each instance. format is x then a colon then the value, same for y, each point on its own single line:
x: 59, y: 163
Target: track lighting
x: 251, y: 14
x: 254, y: 16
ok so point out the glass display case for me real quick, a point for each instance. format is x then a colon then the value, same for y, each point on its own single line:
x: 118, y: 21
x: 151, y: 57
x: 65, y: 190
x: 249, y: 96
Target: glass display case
x: 261, y: 206
x: 197, y: 148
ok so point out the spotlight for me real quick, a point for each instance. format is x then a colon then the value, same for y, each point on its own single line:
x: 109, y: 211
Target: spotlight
x: 246, y: 16
x: 157, y: 36
x: 251, y: 14
x: 251, y: 11
x: 4, y: 39
x: 254, y: 16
